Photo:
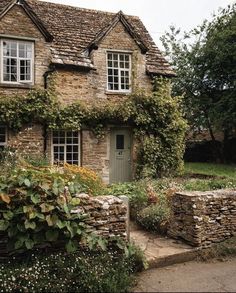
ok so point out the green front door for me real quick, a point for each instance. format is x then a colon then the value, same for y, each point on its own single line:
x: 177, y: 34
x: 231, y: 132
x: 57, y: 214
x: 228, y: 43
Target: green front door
x: 120, y: 155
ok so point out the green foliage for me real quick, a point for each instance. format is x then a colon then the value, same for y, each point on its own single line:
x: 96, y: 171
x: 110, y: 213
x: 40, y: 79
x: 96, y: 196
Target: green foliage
x: 206, y: 72
x: 83, y: 271
x: 135, y: 191
x: 159, y: 130
x: 156, y: 119
x: 208, y: 184
x: 209, y: 169
x: 154, y: 217
x: 37, y: 206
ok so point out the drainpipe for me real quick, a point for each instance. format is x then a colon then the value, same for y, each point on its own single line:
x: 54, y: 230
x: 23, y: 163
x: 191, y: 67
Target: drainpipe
x: 45, y: 76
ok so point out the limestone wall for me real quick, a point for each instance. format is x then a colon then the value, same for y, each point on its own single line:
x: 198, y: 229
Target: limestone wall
x: 107, y: 215
x: 203, y: 218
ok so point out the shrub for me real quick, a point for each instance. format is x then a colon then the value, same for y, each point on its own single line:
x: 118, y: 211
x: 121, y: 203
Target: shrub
x: 135, y: 191
x: 37, y: 208
x: 83, y: 271
x: 86, y: 177
x: 154, y: 217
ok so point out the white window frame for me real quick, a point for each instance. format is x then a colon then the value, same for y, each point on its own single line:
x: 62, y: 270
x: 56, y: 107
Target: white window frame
x: 129, y: 70
x: 4, y: 144
x: 18, y: 81
x: 65, y: 145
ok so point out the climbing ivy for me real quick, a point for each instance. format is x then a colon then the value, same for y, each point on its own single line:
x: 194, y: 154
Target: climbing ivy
x: 156, y: 118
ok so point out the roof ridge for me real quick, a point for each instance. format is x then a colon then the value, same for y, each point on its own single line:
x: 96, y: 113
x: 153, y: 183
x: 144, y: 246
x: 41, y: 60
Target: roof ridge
x: 82, y: 8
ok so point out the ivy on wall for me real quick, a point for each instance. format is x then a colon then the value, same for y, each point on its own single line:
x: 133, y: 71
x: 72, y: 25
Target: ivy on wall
x: 157, y: 121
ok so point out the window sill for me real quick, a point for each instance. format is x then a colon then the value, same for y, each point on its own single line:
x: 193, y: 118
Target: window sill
x: 117, y: 93
x: 20, y: 85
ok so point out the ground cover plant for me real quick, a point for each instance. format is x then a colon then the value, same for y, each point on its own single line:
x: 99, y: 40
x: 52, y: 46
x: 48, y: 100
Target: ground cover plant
x: 81, y: 271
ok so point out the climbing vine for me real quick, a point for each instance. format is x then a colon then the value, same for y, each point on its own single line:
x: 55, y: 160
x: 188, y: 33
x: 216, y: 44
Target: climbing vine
x: 157, y: 121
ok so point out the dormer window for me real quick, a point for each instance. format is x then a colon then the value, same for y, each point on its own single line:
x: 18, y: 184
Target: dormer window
x: 17, y: 61
x: 118, y: 72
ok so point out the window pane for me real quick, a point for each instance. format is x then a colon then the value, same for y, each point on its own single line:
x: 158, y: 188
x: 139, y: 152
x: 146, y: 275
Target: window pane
x: 17, y: 61
x: 118, y: 71
x: 120, y: 141
x: 69, y: 157
x: 69, y: 149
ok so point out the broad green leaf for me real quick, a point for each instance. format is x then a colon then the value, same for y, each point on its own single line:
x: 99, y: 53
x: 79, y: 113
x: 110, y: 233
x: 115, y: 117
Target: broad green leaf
x: 40, y: 216
x: 4, y: 224
x: 12, y: 231
x: 70, y: 229
x: 75, y: 201
x: 21, y: 227
x: 32, y: 215
x: 102, y: 243
x: 52, y: 235
x: 30, y: 225
x: 71, y: 246
x: 29, y: 243
x: 18, y: 244
x: 46, y: 207
x: 35, y: 198
x: 49, y: 220
x: 61, y: 224
x: 27, y: 182
x: 66, y: 209
x: 8, y: 215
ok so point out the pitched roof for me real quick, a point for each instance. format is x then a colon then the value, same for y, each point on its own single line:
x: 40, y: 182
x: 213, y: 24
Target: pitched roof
x: 76, y: 30
x: 30, y: 13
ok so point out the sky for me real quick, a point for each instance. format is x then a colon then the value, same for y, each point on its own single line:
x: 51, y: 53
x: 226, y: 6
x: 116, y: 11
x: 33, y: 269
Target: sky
x: 158, y: 15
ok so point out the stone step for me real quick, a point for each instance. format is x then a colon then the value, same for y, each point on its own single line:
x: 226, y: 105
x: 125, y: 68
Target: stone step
x: 162, y: 251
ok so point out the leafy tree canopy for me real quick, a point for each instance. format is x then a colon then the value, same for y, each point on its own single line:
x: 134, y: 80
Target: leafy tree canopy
x: 205, y: 63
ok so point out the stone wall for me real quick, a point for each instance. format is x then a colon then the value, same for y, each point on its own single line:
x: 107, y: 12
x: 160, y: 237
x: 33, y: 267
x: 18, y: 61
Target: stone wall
x: 203, y: 218
x: 75, y: 85
x: 28, y: 141
x: 107, y: 215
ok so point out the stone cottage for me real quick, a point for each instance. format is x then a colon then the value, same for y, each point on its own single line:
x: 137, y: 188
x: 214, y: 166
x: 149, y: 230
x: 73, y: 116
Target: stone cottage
x: 93, y: 55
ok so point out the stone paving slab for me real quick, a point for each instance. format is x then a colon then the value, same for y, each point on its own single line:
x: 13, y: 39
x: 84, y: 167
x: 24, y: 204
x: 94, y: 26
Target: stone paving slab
x: 159, y: 250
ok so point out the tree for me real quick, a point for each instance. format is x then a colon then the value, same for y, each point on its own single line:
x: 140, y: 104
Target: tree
x: 205, y: 63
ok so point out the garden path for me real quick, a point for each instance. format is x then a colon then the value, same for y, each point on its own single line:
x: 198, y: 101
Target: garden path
x: 159, y: 250
x: 213, y: 276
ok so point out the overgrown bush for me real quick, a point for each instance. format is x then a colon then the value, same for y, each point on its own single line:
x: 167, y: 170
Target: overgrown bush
x: 37, y: 207
x: 149, y: 202
x: 87, y: 178
x: 135, y: 191
x: 154, y: 217
x: 83, y: 271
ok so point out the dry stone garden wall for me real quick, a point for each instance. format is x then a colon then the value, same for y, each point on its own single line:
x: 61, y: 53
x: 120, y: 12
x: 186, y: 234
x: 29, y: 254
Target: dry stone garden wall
x: 203, y: 218
x: 107, y: 215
